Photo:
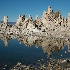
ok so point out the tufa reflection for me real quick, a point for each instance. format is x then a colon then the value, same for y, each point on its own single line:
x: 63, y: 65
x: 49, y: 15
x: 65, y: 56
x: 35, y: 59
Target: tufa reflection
x: 48, y: 44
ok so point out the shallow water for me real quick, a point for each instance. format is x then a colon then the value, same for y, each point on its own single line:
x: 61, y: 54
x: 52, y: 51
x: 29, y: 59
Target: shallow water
x: 31, y: 50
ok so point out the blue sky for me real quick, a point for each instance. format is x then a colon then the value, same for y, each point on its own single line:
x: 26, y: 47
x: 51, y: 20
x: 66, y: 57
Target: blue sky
x: 14, y: 8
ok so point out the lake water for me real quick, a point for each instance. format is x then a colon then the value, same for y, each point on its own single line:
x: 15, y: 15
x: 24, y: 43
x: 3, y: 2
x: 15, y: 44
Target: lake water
x: 31, y: 50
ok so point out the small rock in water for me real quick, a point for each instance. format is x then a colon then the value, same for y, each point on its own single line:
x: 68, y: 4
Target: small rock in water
x: 5, y: 65
x: 41, y: 59
x: 65, y: 52
x: 38, y: 60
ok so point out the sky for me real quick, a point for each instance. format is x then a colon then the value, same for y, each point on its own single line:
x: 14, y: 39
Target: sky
x: 14, y: 8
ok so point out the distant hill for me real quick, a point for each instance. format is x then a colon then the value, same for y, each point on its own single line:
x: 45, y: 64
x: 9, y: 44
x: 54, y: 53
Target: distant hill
x: 12, y: 23
x: 1, y: 21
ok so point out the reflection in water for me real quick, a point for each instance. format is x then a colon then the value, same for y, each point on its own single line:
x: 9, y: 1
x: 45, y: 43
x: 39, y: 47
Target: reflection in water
x: 49, y: 45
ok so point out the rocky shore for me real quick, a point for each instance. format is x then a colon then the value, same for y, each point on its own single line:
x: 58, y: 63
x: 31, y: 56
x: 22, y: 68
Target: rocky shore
x: 53, y: 64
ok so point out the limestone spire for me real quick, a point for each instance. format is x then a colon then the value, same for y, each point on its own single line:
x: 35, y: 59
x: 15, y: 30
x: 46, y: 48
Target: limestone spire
x: 36, y: 18
x: 29, y: 16
x: 5, y: 19
x: 21, y: 18
x: 49, y: 10
x: 68, y: 17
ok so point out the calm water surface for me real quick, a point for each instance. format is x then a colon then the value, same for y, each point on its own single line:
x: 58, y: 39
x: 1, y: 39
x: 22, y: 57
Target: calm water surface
x: 31, y: 49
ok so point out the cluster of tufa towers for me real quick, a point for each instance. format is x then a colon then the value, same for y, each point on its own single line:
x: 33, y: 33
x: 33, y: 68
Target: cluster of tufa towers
x: 49, y: 23
x: 22, y: 17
